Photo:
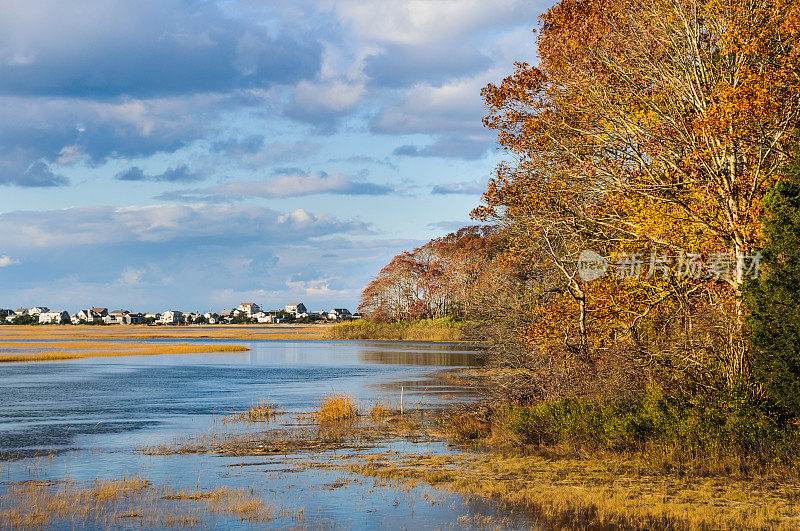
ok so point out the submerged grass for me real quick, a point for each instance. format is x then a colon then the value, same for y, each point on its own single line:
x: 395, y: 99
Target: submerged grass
x: 442, y: 329
x: 589, y: 493
x: 111, y: 503
x: 260, y: 412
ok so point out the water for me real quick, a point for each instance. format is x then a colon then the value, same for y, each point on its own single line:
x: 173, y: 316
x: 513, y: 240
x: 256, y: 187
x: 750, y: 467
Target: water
x: 94, y: 415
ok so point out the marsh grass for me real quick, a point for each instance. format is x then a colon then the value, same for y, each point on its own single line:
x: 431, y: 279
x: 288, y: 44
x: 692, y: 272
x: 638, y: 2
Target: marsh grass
x: 261, y: 412
x: 337, y: 407
x: 128, y: 333
x: 78, y: 350
x: 109, y: 503
x: 589, y: 493
x: 442, y: 329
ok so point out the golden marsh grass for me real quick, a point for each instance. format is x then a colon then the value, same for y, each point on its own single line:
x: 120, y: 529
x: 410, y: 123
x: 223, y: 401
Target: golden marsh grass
x: 337, y: 407
x: 69, y: 351
x: 127, y: 333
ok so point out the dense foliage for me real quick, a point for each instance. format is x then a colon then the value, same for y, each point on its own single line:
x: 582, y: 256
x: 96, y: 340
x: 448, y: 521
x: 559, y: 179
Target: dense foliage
x: 658, y: 135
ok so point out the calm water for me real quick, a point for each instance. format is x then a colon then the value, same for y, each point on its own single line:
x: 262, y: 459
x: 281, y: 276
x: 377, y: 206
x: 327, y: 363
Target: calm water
x: 93, y: 414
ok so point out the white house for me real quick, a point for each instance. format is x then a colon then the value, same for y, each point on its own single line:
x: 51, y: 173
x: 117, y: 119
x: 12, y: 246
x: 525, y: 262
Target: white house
x: 171, y: 317
x: 87, y: 315
x: 36, y: 310
x: 249, y: 308
x: 152, y: 315
x: 53, y: 317
x: 296, y: 309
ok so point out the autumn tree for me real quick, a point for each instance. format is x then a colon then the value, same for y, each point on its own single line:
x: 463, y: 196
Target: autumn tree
x: 649, y: 126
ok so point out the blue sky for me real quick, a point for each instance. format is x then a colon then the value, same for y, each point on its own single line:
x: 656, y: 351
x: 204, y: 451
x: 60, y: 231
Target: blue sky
x: 195, y: 155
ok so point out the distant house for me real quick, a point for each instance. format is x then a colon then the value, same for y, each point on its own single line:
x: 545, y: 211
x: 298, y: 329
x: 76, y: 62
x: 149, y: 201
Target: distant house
x: 131, y: 318
x: 11, y: 315
x: 75, y: 319
x: 53, y: 317
x: 296, y: 309
x: 339, y: 314
x: 88, y: 316
x: 5, y: 313
x: 36, y: 310
x: 249, y: 308
x: 152, y: 315
x: 100, y: 312
x: 115, y: 317
x: 171, y: 317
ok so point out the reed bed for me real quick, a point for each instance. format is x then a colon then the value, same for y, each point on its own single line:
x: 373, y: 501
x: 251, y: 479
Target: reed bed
x: 423, y: 330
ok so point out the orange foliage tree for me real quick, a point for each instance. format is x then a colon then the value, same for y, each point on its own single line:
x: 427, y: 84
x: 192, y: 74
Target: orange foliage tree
x: 433, y: 280
x: 648, y: 126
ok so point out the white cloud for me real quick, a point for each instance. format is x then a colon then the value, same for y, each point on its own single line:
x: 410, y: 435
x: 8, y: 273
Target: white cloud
x: 424, y: 21
x: 163, y: 223
x: 7, y: 261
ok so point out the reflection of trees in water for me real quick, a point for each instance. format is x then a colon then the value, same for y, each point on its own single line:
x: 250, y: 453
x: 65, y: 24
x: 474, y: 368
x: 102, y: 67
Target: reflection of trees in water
x: 423, y: 392
x: 422, y: 358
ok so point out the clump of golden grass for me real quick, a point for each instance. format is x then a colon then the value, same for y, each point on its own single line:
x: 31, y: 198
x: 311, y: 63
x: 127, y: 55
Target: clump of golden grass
x: 109, y: 503
x: 337, y: 407
x: 260, y: 412
x: 88, y: 350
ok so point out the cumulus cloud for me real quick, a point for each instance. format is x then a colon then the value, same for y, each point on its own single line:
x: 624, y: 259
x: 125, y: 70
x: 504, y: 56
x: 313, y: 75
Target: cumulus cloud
x: 178, y: 174
x: 142, y: 49
x: 295, y: 185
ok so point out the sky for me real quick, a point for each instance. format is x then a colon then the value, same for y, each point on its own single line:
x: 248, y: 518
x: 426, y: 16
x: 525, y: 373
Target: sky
x: 197, y: 154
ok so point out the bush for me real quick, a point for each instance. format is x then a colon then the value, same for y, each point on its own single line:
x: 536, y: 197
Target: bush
x: 728, y: 432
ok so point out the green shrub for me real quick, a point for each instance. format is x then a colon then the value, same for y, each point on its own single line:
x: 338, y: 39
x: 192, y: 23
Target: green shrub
x: 728, y: 432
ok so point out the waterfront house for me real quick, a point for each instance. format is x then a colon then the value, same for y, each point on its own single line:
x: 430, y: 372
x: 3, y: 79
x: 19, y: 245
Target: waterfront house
x: 53, y: 317
x: 339, y: 314
x: 131, y: 318
x: 36, y: 310
x: 250, y: 309
x: 296, y: 309
x: 171, y: 317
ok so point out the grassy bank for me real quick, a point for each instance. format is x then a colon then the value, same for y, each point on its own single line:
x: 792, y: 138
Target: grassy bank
x: 723, y: 435
x: 443, y: 329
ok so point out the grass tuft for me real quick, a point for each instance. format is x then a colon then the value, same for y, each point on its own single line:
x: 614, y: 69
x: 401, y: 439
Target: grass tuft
x: 337, y: 407
x: 260, y: 412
